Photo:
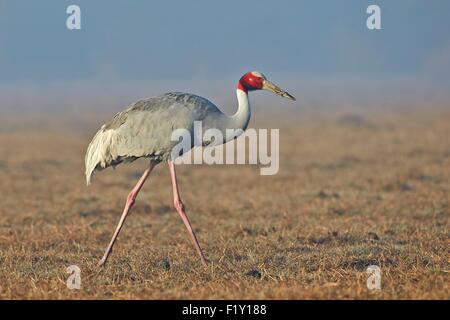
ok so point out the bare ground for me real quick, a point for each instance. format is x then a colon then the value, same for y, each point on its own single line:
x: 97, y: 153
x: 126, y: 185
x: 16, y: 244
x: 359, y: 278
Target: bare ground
x: 352, y: 191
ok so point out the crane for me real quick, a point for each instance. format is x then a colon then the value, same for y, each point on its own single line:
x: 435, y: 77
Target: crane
x: 143, y: 130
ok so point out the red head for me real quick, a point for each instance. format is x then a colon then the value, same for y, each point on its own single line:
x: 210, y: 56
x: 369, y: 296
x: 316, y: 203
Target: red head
x: 251, y: 81
x: 257, y: 81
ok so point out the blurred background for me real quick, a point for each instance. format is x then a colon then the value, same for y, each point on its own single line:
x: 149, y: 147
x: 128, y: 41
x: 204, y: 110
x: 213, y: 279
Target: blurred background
x: 321, y: 51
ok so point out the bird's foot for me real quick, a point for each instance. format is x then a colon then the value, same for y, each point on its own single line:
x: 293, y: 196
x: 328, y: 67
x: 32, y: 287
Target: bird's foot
x: 101, y: 263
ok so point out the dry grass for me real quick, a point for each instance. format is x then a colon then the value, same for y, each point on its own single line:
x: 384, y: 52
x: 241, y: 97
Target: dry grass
x: 352, y: 191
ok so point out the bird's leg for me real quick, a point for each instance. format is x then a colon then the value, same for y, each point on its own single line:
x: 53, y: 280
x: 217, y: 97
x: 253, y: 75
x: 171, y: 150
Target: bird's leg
x: 179, y: 206
x: 130, y: 201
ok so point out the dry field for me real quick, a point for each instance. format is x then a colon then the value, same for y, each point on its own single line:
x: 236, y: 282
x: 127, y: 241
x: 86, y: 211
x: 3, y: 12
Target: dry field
x: 353, y: 190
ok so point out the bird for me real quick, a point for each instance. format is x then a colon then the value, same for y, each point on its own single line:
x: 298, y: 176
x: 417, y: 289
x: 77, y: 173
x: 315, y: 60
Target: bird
x: 144, y: 128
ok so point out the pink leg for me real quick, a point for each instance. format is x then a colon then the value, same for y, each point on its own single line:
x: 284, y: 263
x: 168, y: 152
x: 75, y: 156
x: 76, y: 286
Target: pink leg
x: 130, y: 201
x: 179, y: 206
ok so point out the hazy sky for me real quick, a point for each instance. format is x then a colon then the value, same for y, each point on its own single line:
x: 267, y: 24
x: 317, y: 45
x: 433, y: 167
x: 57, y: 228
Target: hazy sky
x: 320, y: 50
x: 152, y: 40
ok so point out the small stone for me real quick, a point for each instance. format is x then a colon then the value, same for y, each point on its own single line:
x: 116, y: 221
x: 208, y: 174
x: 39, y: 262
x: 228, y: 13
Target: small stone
x: 322, y: 194
x: 405, y: 187
x: 165, y: 264
x: 255, y: 273
x: 338, y: 211
x: 373, y: 236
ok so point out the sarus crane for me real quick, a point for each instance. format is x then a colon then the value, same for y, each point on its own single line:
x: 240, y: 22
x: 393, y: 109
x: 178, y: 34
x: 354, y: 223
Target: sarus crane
x: 144, y: 129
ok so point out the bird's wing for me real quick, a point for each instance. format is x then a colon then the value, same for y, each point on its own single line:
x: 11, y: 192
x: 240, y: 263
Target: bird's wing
x: 144, y: 129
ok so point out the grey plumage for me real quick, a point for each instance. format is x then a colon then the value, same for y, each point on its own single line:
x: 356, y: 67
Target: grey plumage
x: 144, y: 130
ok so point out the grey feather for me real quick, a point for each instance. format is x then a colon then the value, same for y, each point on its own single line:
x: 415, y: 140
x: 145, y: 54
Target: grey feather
x: 144, y: 129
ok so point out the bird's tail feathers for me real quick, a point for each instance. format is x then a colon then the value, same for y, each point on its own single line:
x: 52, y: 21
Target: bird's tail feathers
x: 98, y: 154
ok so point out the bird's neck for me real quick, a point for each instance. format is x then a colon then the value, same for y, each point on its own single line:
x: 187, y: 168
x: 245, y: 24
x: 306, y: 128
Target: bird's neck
x: 241, y: 118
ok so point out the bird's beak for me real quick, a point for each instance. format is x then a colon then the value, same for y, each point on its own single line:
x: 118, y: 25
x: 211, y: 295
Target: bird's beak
x: 269, y: 86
